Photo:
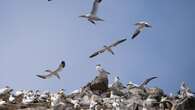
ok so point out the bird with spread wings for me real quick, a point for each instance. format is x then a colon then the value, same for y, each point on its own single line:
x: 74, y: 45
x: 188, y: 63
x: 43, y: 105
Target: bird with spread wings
x: 107, y: 48
x: 53, y: 73
x: 92, y: 16
x: 145, y: 82
x: 140, y: 27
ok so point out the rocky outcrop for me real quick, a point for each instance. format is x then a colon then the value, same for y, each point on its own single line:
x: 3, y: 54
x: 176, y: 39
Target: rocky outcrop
x: 97, y: 95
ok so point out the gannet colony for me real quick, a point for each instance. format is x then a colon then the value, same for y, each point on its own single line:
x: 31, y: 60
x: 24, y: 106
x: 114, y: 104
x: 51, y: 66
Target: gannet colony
x: 98, y: 94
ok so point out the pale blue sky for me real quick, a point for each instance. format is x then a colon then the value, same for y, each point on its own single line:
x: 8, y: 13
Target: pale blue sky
x: 36, y: 35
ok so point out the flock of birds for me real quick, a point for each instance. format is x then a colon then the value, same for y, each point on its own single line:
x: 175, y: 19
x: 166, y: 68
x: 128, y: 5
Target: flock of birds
x: 116, y: 88
x: 83, y: 98
x: 92, y: 17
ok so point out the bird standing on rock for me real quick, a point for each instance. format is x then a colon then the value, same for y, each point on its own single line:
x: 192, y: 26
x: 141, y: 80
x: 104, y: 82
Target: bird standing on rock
x: 100, y: 82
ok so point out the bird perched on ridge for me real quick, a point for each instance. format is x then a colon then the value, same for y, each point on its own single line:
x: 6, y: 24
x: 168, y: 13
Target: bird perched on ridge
x: 140, y: 27
x: 101, y: 80
x: 92, y: 16
x: 108, y: 48
x: 117, y: 84
x: 185, y: 91
x: 53, y: 73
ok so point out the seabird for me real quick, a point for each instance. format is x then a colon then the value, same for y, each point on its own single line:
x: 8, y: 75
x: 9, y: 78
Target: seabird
x: 92, y: 16
x: 53, y: 73
x: 107, y: 48
x: 101, y: 80
x: 116, y: 105
x: 117, y: 84
x: 5, y: 90
x: 100, y: 69
x: 140, y: 27
x: 185, y: 91
x: 145, y: 82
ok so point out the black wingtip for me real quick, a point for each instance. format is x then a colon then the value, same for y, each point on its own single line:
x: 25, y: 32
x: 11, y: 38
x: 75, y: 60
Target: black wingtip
x: 123, y: 40
x: 91, y: 56
x: 41, y: 76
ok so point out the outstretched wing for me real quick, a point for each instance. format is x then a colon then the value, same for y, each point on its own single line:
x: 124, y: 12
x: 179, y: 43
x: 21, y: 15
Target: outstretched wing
x: 147, y: 81
x: 45, y: 76
x: 117, y: 42
x: 97, y: 53
x: 136, y: 33
x: 95, y: 7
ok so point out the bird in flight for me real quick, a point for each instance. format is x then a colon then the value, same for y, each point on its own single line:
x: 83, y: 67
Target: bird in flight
x: 92, y: 16
x: 107, y: 48
x: 53, y: 73
x: 140, y: 27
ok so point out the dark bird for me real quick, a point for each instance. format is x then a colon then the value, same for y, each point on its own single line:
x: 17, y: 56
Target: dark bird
x: 53, y: 73
x: 92, y: 16
x: 140, y: 27
x: 107, y: 48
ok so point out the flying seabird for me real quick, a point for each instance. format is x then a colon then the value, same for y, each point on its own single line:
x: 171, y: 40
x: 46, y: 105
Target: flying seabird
x: 107, y: 48
x: 140, y: 27
x: 53, y: 73
x: 92, y: 16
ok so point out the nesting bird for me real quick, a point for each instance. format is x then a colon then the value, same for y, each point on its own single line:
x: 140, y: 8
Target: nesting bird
x: 140, y: 27
x: 101, y: 81
x: 107, y: 48
x: 92, y: 16
x: 185, y: 91
x: 117, y: 84
x: 5, y: 93
x: 53, y: 73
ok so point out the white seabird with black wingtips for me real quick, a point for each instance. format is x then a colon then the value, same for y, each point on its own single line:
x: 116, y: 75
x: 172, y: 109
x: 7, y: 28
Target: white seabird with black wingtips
x: 140, y: 27
x: 107, y: 48
x: 53, y: 73
x: 92, y: 16
x: 145, y: 82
